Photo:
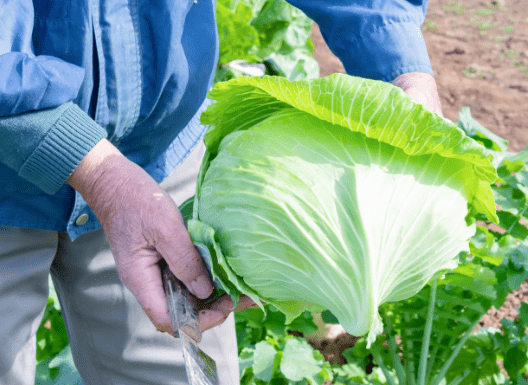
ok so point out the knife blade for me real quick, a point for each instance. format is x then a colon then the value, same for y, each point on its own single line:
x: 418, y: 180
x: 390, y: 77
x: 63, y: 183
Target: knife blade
x: 201, y: 369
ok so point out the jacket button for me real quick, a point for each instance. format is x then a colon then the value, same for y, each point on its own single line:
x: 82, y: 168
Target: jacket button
x: 83, y: 218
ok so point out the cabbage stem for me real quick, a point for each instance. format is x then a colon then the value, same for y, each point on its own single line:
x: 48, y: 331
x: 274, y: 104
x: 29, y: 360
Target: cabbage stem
x: 457, y: 380
x: 454, y: 354
x: 379, y: 361
x: 393, y: 349
x: 410, y: 357
x: 427, y: 335
x: 433, y: 357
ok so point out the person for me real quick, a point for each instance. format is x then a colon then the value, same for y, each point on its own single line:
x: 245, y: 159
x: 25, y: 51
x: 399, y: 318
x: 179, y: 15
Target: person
x: 101, y: 141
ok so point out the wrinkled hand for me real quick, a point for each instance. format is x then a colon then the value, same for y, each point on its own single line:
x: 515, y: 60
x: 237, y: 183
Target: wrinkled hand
x: 144, y: 225
x: 422, y: 88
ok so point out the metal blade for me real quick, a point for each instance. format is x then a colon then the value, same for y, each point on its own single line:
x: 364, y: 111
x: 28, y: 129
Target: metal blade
x: 201, y: 369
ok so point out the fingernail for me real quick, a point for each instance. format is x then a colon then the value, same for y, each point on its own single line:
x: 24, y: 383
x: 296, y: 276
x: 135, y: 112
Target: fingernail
x: 201, y: 287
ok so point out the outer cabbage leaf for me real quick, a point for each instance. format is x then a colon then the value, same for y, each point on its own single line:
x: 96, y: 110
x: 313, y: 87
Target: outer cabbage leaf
x: 337, y: 193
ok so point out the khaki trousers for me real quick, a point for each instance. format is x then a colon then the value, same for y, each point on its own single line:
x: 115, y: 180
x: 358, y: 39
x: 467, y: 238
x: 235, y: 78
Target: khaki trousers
x: 112, y: 340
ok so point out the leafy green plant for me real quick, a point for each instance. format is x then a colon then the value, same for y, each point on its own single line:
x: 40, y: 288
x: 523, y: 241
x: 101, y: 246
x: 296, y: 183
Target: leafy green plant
x: 485, y: 25
x: 271, y: 352
x: 471, y: 72
x: 382, y: 192
x: 54, y: 359
x: 431, y: 26
x: 455, y: 6
x: 270, y: 32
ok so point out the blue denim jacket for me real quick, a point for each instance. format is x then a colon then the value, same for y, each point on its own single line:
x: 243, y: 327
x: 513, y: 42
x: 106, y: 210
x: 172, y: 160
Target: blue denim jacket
x: 137, y: 72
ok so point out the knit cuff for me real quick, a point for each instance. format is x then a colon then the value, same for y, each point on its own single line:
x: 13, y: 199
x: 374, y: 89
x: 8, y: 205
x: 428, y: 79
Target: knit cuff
x: 65, y: 145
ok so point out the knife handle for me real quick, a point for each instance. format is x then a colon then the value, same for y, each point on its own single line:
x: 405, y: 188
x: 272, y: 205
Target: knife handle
x: 181, y: 303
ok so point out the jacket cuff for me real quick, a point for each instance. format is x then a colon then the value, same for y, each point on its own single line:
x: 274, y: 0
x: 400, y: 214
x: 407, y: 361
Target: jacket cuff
x: 72, y: 136
x: 386, y: 52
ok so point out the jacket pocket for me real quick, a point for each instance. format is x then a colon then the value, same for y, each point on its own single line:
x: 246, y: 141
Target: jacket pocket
x: 52, y: 9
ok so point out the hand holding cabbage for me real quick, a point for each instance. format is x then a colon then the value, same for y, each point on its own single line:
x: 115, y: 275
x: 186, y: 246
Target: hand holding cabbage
x: 338, y: 193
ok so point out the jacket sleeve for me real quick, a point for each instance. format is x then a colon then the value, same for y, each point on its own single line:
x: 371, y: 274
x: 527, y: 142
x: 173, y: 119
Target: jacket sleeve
x: 44, y: 135
x: 376, y: 39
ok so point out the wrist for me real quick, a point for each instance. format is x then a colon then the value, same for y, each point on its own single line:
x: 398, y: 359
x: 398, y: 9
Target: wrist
x: 102, y: 158
x: 413, y: 79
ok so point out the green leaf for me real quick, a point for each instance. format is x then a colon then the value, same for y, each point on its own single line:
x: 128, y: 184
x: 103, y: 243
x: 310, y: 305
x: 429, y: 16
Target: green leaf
x: 236, y: 35
x: 515, y: 360
x: 263, y: 359
x: 483, y: 245
x: 478, y: 271
x: 511, y: 224
x: 474, y: 129
x: 58, y: 370
x: 186, y: 209
x: 509, y: 198
x: 298, y: 360
x: 523, y: 313
x: 473, y: 284
x: 245, y: 359
x: 304, y: 324
x: 329, y: 318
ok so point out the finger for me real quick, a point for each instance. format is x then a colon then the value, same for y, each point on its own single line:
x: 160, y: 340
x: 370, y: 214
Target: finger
x: 211, y: 318
x: 183, y: 259
x: 142, y: 276
x: 217, y: 313
x: 244, y: 302
x: 220, y: 310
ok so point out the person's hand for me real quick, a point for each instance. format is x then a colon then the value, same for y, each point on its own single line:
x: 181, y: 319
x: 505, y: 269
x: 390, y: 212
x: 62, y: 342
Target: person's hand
x: 144, y: 225
x: 422, y: 88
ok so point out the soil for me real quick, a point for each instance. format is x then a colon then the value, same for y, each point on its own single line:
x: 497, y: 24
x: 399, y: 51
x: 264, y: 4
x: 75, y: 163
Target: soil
x: 478, y: 51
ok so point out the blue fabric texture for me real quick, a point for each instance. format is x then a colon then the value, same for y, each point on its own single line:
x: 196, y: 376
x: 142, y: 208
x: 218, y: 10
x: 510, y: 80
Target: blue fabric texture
x: 77, y: 71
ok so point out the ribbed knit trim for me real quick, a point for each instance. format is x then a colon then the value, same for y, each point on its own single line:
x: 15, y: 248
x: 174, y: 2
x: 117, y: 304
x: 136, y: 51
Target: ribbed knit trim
x: 71, y: 137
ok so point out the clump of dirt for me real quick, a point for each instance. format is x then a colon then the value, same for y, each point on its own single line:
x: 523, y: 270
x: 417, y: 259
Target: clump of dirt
x: 478, y: 50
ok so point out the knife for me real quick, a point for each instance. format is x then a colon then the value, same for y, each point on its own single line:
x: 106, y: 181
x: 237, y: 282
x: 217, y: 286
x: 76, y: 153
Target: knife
x: 201, y: 369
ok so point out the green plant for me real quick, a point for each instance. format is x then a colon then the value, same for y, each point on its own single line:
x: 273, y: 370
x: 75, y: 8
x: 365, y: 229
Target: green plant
x: 271, y: 352
x: 485, y: 12
x: 455, y: 6
x: 485, y: 25
x: 54, y: 359
x: 270, y: 32
x: 382, y: 192
x: 471, y: 72
x: 431, y: 26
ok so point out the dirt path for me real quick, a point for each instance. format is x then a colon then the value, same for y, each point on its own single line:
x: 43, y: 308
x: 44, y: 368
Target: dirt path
x: 479, y: 53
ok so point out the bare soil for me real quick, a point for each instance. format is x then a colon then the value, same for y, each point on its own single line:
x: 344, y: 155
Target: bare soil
x: 478, y: 50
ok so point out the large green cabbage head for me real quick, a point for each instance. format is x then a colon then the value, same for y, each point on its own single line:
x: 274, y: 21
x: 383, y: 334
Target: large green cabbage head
x: 339, y: 193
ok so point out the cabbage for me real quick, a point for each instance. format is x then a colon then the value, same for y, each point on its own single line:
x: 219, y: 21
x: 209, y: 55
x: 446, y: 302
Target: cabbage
x: 339, y: 193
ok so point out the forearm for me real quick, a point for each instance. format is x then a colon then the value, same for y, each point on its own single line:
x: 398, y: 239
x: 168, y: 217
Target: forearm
x: 376, y: 40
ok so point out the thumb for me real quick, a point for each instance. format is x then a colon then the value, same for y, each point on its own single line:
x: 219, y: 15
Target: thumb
x: 185, y: 262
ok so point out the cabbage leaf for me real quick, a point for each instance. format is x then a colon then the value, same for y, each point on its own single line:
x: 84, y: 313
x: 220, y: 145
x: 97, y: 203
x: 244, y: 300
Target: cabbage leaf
x: 339, y: 193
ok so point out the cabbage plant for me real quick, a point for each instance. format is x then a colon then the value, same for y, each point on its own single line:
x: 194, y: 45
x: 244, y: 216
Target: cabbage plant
x: 339, y: 193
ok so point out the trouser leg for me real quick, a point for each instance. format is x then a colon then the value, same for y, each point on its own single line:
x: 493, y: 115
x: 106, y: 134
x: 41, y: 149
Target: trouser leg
x: 25, y: 259
x: 112, y: 340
